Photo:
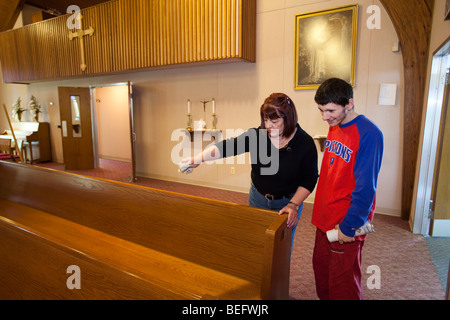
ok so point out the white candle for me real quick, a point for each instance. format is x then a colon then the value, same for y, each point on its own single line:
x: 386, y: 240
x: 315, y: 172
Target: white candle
x: 189, y: 106
x: 214, y: 106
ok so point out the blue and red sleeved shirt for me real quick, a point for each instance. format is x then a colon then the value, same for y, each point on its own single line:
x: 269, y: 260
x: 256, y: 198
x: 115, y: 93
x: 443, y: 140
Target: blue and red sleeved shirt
x: 348, y: 178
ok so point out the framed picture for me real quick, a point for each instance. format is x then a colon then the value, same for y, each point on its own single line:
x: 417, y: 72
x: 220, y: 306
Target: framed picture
x: 447, y: 10
x: 325, y: 46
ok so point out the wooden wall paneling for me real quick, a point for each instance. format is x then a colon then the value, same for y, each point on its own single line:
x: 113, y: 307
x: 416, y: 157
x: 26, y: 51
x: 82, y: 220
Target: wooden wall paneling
x: 31, y: 54
x: 233, y: 31
x: 240, y: 28
x: 136, y: 34
x: 190, y: 26
x: 13, y: 63
x: 163, y: 32
x: 227, y: 30
x: 127, y: 35
x: 248, y: 31
x: 178, y: 33
x: 220, y: 32
x: 108, y: 49
x: 46, y: 35
x: 215, y: 30
x: 412, y: 21
x: 130, y: 35
x: 230, y: 53
x: 12, y: 49
x: 196, y: 31
x: 35, y: 52
x: 202, y: 30
x: 98, y: 46
x: 22, y: 53
x: 7, y: 50
x: 209, y: 28
x: 194, y: 25
x: 171, y: 33
x: 119, y: 39
x: 114, y: 35
x: 168, y: 32
x: 141, y: 36
x: 70, y: 59
x: 133, y: 33
x: 61, y: 63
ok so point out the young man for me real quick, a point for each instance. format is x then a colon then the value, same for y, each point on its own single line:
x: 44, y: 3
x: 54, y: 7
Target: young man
x: 345, y: 196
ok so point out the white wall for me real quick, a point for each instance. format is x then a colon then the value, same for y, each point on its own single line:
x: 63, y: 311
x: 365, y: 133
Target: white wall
x: 239, y: 90
x: 113, y: 131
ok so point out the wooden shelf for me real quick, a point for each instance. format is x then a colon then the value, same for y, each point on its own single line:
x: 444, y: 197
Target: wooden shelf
x: 214, y: 133
x: 321, y: 139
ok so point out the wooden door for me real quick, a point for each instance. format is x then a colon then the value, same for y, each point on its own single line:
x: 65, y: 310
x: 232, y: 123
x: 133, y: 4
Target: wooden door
x: 76, y: 128
x: 440, y: 194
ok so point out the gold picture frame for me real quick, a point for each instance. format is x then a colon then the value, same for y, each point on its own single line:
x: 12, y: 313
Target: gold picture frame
x: 325, y: 46
x: 447, y: 10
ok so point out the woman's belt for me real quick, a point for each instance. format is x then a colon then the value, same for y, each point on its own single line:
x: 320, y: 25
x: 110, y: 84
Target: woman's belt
x: 272, y: 197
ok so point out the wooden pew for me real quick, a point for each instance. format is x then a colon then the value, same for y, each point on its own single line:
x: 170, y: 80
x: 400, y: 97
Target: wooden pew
x: 132, y: 242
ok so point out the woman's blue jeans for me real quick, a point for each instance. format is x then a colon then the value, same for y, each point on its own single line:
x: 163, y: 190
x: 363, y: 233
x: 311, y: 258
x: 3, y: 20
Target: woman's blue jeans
x: 256, y: 199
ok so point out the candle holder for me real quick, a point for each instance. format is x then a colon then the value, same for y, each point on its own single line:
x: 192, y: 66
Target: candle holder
x: 214, y: 121
x: 189, y: 122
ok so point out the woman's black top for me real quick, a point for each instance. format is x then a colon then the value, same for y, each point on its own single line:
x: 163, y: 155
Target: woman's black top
x: 278, y: 172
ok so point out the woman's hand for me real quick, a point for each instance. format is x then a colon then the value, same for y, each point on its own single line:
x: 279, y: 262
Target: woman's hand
x: 191, y: 161
x: 291, y: 210
x: 210, y: 153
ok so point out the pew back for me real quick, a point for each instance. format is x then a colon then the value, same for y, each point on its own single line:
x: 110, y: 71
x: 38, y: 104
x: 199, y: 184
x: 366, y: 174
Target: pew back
x: 241, y: 241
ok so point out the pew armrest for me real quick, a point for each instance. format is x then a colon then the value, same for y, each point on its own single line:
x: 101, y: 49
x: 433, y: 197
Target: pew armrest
x: 275, y: 278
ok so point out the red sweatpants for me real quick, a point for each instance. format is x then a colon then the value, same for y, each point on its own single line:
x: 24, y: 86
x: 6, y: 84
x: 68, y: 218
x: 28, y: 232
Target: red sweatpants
x: 337, y: 269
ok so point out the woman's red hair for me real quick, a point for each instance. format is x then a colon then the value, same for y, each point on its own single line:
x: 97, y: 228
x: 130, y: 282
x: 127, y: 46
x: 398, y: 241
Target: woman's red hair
x: 279, y: 105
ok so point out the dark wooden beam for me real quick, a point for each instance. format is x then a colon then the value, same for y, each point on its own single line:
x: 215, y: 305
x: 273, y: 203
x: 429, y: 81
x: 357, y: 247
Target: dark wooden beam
x: 9, y: 11
x: 412, y: 20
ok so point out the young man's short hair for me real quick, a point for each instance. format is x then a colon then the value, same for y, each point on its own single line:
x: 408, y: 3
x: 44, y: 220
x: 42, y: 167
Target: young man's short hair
x: 334, y: 90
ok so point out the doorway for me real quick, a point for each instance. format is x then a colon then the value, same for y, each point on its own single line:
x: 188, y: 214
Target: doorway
x: 109, y: 109
x: 432, y: 169
x: 113, y: 130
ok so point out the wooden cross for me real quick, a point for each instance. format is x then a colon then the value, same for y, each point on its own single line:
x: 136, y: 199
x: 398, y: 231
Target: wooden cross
x: 80, y: 33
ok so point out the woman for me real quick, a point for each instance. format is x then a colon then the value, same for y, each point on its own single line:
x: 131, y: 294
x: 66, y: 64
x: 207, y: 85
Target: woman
x: 284, y: 159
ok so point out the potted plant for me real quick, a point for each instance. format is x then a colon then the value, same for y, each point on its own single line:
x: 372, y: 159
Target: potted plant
x: 36, y: 107
x: 17, y: 109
